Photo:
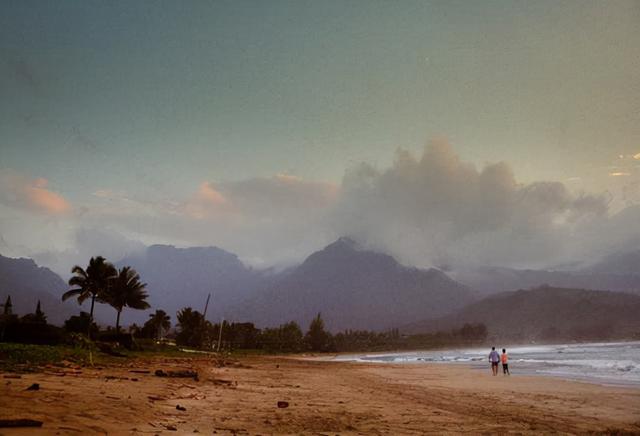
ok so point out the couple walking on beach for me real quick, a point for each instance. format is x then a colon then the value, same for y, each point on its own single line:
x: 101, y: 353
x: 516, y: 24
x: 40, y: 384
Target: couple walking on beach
x: 495, y: 358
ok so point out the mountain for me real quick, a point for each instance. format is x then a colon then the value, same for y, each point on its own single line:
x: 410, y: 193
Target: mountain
x: 354, y: 289
x: 27, y: 283
x: 626, y: 263
x: 547, y: 314
x: 609, y: 276
x: 181, y: 277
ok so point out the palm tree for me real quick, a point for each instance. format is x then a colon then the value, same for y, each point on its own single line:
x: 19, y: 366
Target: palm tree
x: 92, y: 282
x: 126, y: 290
x: 160, y: 322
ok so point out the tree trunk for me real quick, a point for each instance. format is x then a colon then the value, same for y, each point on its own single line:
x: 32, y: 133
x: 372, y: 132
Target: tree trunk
x: 118, y: 322
x: 93, y: 301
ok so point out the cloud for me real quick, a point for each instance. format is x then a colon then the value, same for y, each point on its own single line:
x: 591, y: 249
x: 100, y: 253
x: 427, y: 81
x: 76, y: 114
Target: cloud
x: 20, y: 191
x: 86, y: 242
x: 437, y: 209
x: 264, y: 198
x: 432, y: 209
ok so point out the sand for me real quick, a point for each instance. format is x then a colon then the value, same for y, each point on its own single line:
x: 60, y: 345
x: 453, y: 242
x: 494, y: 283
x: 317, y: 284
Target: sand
x: 323, y: 398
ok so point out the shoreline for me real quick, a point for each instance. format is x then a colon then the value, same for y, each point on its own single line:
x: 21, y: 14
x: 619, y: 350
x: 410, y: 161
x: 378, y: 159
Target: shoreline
x: 322, y: 397
x: 585, y: 362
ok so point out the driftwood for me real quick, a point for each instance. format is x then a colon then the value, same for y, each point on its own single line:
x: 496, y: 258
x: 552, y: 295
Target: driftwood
x: 140, y: 371
x: 180, y: 374
x: 115, y: 377
x: 12, y: 376
x: 4, y: 423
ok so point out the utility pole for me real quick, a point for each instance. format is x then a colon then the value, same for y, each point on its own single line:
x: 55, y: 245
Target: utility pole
x: 220, y: 334
x: 206, y: 306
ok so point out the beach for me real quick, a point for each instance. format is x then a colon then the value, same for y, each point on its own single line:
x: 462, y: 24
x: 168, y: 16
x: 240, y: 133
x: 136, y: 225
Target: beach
x: 321, y: 397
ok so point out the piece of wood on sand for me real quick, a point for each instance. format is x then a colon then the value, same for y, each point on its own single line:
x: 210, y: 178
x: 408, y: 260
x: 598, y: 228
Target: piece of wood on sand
x: 5, y: 423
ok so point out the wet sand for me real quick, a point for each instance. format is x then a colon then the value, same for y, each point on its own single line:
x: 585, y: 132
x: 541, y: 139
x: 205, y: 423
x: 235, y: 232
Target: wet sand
x: 323, y: 398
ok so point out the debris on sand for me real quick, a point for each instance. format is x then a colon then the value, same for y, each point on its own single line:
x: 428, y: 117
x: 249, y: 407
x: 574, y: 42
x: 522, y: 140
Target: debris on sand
x: 180, y: 373
x: 283, y: 404
x: 181, y: 408
x: 219, y: 381
x: 4, y: 423
x: 34, y: 387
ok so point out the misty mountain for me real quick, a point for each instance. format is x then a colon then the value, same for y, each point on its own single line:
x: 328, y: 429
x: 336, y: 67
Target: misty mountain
x: 613, y: 274
x: 27, y: 283
x: 627, y: 263
x: 355, y: 289
x: 547, y: 314
x: 181, y: 277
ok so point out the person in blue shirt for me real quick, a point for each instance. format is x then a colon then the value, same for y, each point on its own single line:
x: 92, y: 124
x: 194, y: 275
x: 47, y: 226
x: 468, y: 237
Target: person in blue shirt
x: 494, y: 358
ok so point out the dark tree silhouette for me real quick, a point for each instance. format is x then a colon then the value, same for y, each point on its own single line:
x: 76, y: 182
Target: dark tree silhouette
x: 7, y: 316
x: 8, y: 307
x: 38, y: 317
x: 194, y: 330
x: 158, y: 323
x: 80, y: 324
x: 90, y: 283
x: 317, y: 338
x: 126, y: 290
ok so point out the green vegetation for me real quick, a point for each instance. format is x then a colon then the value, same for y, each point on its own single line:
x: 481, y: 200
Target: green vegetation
x: 193, y: 331
x: 27, y: 356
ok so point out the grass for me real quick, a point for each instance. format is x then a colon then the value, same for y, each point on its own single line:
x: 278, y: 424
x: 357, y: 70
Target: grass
x: 27, y: 356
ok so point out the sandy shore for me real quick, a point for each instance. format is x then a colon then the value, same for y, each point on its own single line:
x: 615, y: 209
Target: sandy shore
x: 323, y: 398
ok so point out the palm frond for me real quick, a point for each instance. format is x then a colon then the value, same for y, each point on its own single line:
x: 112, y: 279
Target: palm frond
x: 71, y: 293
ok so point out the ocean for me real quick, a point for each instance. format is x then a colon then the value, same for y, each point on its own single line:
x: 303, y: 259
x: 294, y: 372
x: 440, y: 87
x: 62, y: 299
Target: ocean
x: 606, y: 363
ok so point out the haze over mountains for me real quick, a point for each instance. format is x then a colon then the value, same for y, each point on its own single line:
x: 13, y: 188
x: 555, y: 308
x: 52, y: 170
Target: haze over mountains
x: 353, y: 287
x: 547, y: 314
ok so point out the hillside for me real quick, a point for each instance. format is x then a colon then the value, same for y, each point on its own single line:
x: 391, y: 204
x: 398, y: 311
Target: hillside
x: 27, y: 283
x: 355, y: 289
x: 547, y: 314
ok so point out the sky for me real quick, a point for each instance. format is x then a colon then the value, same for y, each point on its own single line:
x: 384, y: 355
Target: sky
x: 445, y: 132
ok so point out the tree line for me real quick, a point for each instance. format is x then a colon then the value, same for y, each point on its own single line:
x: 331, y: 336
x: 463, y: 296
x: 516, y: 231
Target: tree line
x: 103, y: 283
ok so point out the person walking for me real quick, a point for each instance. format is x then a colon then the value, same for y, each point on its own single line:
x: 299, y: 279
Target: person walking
x: 505, y: 362
x: 494, y: 358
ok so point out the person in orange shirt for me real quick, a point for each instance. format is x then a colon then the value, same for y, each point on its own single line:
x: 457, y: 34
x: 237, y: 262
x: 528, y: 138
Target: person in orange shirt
x: 505, y: 362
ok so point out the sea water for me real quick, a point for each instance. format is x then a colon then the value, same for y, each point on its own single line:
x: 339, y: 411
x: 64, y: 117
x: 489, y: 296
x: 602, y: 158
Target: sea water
x: 609, y: 363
